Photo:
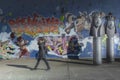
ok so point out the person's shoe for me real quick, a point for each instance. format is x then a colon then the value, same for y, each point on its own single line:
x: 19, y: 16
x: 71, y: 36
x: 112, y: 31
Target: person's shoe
x: 47, y: 69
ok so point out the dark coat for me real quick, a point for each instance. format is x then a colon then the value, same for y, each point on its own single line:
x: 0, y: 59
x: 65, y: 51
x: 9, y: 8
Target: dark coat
x: 42, y: 50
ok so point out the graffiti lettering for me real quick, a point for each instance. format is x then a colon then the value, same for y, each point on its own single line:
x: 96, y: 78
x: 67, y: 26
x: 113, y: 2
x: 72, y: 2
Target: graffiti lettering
x: 34, y: 25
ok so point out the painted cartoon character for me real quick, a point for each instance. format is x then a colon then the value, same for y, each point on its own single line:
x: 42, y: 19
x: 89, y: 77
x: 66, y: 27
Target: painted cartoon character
x: 110, y: 27
x: 70, y: 19
x: 97, y: 31
x: 79, y: 23
x: 74, y: 48
x: 22, y: 44
x: 110, y: 30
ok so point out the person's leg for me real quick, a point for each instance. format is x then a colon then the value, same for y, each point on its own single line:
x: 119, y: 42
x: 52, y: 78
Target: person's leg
x: 38, y: 60
x: 46, y: 62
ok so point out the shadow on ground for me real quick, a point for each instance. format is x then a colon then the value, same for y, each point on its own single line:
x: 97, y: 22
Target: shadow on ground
x: 73, y: 61
x: 25, y: 66
x: 19, y: 66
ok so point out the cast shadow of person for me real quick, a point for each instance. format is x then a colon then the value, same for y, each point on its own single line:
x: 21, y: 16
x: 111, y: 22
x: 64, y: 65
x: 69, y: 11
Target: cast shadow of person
x: 23, y: 66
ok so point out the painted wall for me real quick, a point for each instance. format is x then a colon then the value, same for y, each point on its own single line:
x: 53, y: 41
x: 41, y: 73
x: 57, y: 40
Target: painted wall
x: 31, y: 19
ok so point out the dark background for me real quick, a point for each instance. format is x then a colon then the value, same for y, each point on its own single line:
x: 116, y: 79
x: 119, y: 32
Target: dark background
x: 14, y: 8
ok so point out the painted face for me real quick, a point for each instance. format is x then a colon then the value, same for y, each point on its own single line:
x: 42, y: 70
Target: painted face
x: 97, y: 20
x: 110, y: 22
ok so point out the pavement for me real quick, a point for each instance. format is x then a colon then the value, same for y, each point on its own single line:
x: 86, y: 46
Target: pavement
x: 61, y: 69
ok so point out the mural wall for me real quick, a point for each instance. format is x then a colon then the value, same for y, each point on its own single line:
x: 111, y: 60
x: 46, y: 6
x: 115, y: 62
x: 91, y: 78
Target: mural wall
x: 65, y: 27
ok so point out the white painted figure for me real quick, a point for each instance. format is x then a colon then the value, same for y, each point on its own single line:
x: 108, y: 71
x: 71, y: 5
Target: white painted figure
x: 97, y: 31
x: 110, y: 30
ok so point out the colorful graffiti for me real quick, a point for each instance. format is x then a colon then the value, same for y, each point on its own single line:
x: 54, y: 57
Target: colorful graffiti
x: 57, y: 44
x: 6, y: 49
x: 35, y: 25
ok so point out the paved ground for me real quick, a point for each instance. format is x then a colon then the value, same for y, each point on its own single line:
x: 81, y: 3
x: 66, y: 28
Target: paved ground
x: 19, y: 69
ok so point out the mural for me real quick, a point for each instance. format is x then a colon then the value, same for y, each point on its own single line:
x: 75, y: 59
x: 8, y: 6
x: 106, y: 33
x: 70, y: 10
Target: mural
x: 64, y: 27
x: 53, y: 29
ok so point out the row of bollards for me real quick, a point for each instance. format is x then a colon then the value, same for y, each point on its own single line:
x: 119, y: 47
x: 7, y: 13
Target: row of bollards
x: 97, y: 48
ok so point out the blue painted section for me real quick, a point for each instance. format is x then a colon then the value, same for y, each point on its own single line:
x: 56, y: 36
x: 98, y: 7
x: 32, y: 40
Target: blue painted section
x: 86, y: 51
x: 27, y: 37
x: 4, y: 28
x: 85, y: 33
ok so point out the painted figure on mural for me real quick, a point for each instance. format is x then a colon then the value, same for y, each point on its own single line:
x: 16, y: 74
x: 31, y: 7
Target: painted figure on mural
x: 74, y: 48
x: 13, y: 40
x: 22, y: 45
x: 70, y: 18
x: 76, y: 24
x: 110, y: 30
x: 97, y: 31
x: 13, y: 37
x: 110, y: 27
x: 42, y: 53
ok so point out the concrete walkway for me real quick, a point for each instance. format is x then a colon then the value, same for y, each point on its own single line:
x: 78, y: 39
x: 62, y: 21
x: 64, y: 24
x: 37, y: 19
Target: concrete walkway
x: 20, y: 69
